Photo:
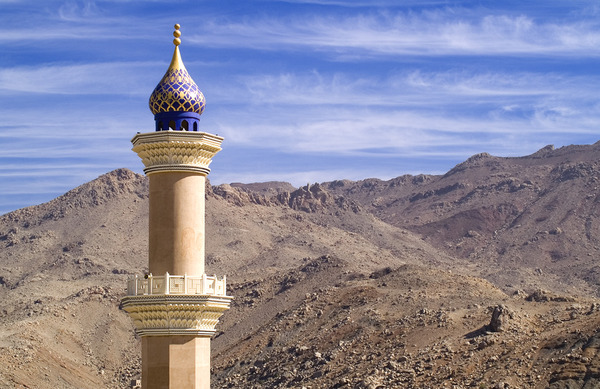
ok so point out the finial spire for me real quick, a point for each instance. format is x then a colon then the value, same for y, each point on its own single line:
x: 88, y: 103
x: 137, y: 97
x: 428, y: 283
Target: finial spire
x: 176, y: 95
x: 177, y: 34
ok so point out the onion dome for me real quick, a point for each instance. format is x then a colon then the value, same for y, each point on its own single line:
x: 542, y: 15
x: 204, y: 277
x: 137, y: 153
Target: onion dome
x: 177, y: 102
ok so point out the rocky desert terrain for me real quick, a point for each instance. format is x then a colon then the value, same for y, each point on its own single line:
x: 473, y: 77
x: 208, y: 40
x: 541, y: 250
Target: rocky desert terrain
x: 485, y: 277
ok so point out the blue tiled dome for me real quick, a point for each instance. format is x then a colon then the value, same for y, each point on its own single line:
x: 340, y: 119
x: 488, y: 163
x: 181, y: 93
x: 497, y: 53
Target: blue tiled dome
x: 177, y: 92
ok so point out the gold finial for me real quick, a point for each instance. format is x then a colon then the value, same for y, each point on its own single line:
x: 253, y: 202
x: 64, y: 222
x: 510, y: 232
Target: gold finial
x: 177, y: 34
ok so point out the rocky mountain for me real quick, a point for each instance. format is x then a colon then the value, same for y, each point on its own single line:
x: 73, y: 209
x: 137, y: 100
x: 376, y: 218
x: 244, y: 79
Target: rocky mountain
x: 529, y: 220
x: 483, y: 277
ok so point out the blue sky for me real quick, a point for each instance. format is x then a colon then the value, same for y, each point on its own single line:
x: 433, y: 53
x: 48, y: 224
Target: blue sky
x: 302, y: 91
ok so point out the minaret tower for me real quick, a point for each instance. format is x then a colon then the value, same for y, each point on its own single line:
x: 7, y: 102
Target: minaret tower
x: 176, y: 306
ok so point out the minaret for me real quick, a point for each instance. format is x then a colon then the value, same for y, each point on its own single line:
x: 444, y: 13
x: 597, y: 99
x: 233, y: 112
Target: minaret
x: 176, y: 306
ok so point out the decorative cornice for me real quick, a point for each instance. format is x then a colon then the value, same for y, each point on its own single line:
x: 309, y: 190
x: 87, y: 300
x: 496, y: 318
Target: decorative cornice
x: 163, y: 315
x: 176, y: 151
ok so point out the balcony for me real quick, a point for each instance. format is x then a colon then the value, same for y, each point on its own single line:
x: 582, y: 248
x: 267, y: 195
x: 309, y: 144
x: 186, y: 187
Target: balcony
x: 176, y: 285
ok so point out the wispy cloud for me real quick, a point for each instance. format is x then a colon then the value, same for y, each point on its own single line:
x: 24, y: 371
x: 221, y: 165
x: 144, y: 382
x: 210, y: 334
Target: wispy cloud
x: 84, y: 79
x: 414, y: 112
x: 425, y: 34
x: 413, y: 87
x: 77, y: 11
x: 364, y: 3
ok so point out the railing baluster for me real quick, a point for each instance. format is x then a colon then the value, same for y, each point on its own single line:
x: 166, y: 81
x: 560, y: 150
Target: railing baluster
x: 208, y: 285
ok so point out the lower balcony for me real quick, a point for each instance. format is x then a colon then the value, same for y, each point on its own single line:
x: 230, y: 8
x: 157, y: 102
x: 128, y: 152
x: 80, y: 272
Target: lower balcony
x: 175, y: 284
x: 176, y: 305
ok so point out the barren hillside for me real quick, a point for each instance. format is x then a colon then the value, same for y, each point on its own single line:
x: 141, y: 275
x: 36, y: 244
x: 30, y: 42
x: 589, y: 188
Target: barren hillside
x: 523, y: 221
x: 373, y: 284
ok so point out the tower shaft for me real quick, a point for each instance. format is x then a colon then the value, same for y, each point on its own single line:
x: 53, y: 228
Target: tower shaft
x: 176, y: 306
x: 176, y: 246
x: 176, y: 223
x: 175, y: 362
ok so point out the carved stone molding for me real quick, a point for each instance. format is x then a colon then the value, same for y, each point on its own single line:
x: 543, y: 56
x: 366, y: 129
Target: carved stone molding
x: 162, y: 315
x: 176, y: 151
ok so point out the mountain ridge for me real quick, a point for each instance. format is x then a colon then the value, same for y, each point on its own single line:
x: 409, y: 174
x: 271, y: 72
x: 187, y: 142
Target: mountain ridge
x: 366, y: 283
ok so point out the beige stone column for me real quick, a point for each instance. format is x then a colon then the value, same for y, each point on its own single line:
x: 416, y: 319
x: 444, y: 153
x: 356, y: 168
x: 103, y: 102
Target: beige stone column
x: 170, y: 362
x: 176, y: 225
x: 176, y: 246
x: 177, y: 165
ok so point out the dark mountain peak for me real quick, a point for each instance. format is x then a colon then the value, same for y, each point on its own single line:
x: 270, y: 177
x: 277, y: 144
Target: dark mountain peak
x: 475, y: 161
x: 544, y: 151
x: 107, y: 186
x: 315, y: 197
x: 93, y: 193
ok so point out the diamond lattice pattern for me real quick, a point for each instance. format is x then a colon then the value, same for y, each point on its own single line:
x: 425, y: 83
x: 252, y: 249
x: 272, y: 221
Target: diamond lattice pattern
x: 177, y: 92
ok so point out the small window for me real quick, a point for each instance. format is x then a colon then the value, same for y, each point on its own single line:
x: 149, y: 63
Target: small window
x: 184, y: 125
x: 159, y: 127
x: 172, y: 125
x: 195, y: 126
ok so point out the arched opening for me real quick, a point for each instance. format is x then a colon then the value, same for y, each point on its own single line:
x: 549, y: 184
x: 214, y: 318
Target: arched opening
x: 184, y: 125
x: 159, y: 126
x: 195, y: 126
x: 172, y: 125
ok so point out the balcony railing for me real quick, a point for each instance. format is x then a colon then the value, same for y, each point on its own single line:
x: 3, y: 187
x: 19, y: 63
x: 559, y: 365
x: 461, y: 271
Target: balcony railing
x: 173, y: 284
